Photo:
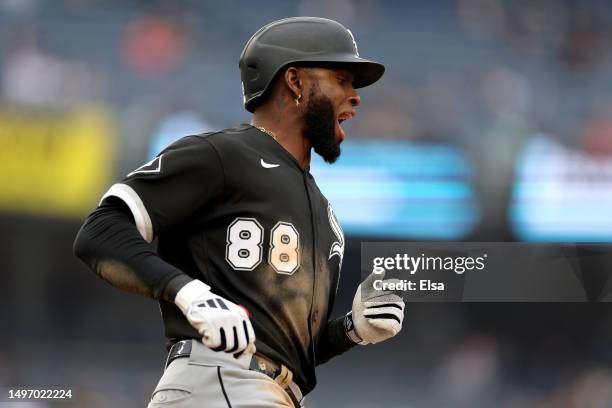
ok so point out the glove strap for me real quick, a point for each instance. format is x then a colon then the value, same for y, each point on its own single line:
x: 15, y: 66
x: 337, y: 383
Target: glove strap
x: 349, y: 329
x: 188, y: 293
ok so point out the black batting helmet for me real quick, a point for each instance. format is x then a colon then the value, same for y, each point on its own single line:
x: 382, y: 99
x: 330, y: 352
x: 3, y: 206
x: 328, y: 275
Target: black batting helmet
x: 300, y: 40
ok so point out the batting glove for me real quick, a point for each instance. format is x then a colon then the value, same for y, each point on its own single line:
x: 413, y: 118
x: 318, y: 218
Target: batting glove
x: 377, y: 315
x: 224, y: 325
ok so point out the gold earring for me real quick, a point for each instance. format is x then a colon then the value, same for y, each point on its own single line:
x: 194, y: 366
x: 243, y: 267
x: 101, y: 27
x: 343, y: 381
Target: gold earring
x: 297, y: 100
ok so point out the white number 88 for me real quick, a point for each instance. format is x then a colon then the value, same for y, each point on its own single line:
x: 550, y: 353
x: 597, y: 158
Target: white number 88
x: 244, y: 249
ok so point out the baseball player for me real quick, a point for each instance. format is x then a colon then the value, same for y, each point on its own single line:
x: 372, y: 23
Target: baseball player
x: 247, y: 252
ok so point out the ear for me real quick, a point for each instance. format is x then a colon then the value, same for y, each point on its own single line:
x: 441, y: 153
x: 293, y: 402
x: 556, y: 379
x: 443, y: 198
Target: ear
x: 293, y: 80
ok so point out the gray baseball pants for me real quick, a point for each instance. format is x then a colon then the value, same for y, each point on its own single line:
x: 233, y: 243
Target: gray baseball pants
x: 209, y: 379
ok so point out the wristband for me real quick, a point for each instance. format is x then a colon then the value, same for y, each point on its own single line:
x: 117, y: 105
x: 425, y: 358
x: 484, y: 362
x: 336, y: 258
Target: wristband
x: 349, y: 329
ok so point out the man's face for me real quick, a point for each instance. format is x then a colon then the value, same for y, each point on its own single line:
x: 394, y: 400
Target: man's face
x: 331, y: 101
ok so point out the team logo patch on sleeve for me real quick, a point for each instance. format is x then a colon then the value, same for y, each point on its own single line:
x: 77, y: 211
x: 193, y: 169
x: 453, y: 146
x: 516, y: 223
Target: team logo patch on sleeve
x: 154, y: 166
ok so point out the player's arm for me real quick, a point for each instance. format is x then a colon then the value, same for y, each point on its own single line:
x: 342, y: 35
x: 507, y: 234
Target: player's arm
x: 375, y: 316
x: 109, y: 243
x: 168, y: 192
x: 334, y: 340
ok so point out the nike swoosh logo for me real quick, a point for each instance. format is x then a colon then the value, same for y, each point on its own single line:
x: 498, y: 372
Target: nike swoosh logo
x: 268, y: 165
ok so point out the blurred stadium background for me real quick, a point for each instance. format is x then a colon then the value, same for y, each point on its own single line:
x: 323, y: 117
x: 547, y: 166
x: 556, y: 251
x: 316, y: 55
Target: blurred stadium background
x: 492, y: 123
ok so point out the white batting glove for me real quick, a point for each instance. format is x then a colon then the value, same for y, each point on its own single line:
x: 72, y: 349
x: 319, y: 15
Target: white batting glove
x: 224, y: 325
x: 377, y: 315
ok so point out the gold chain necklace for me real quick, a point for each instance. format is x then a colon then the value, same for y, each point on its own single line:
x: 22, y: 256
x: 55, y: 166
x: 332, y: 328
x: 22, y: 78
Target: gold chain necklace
x: 267, y: 132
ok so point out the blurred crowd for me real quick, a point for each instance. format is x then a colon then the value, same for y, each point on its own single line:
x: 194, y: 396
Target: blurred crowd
x: 479, y: 73
x: 486, y: 76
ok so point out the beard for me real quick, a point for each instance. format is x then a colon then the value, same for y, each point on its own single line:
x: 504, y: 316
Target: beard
x: 320, y: 120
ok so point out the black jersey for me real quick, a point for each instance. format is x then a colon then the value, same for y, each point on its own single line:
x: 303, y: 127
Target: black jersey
x: 235, y: 210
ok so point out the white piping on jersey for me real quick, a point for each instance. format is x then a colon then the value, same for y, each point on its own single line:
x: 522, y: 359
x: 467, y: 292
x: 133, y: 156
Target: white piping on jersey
x: 133, y: 201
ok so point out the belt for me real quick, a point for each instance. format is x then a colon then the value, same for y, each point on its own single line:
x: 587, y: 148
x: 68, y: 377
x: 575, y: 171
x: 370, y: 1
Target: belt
x: 278, y: 372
